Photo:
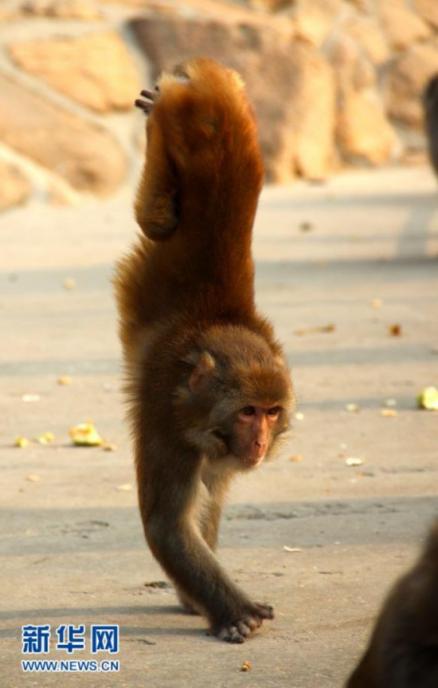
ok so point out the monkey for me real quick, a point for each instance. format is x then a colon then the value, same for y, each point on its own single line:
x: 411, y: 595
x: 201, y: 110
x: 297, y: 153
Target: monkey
x: 403, y: 649
x: 208, y: 388
x: 430, y: 109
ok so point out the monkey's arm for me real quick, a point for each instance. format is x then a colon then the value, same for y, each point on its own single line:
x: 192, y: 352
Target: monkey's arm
x: 175, y: 539
x: 155, y: 209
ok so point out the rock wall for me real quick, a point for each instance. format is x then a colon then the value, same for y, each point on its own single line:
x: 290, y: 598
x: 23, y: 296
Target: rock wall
x: 334, y: 83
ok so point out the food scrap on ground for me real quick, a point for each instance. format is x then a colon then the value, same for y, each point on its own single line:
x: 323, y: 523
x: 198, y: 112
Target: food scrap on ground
x: 353, y: 461
x: 428, y: 399
x: 64, y: 380
x: 22, y: 442
x: 395, y: 330
x: 45, y: 438
x: 125, y: 487
x: 69, y: 283
x: 33, y: 478
x: 29, y: 398
x: 330, y: 327
x: 85, y: 435
x: 296, y: 458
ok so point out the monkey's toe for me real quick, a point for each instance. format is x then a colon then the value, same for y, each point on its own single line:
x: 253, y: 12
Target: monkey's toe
x: 150, y: 95
x: 231, y: 634
x: 264, y: 611
x: 144, y: 105
x: 146, y: 102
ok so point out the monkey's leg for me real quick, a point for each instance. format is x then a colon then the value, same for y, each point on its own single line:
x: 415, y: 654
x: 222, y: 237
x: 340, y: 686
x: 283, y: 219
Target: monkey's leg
x: 209, y: 525
x: 176, y: 542
x: 155, y: 209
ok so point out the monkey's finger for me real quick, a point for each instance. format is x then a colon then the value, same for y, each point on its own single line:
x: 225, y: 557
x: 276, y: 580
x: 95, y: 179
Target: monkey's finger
x: 144, y: 105
x: 148, y: 94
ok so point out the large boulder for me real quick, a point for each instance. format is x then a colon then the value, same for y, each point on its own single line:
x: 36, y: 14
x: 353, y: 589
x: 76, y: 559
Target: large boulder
x: 83, y: 154
x: 15, y: 187
x: 363, y: 132
x: 428, y: 10
x: 290, y: 83
x: 369, y: 37
x: 402, y: 26
x: 96, y: 69
x: 315, y: 19
x: 61, y: 9
x: 406, y: 82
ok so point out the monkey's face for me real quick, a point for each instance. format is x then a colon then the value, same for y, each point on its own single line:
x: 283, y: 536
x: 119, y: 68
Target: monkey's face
x: 253, y: 432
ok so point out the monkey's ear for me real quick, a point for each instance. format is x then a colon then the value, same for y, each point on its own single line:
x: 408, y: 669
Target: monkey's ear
x: 202, y: 372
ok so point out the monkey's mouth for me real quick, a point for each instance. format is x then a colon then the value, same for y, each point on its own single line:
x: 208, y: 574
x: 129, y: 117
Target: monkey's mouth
x: 253, y: 459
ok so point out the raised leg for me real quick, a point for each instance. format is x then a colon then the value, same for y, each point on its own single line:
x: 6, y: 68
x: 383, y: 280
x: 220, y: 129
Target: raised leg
x: 155, y: 205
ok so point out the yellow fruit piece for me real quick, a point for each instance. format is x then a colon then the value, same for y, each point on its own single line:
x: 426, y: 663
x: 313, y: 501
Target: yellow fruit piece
x: 22, y: 442
x: 85, y: 435
x: 64, y: 380
x: 428, y: 399
x: 45, y: 438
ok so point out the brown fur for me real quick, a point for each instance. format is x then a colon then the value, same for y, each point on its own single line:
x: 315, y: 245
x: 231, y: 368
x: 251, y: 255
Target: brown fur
x: 403, y: 650
x: 196, y: 351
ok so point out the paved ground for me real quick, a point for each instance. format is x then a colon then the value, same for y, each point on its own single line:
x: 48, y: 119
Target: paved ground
x: 72, y: 546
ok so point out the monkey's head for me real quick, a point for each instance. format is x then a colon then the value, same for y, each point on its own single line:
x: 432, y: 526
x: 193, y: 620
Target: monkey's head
x: 236, y: 397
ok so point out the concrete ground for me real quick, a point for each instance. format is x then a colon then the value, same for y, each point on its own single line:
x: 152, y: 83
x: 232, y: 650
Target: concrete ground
x: 359, y: 253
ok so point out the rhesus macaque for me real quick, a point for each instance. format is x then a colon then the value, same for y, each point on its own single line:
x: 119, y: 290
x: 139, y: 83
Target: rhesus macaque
x: 403, y: 650
x: 209, y: 391
x: 430, y: 106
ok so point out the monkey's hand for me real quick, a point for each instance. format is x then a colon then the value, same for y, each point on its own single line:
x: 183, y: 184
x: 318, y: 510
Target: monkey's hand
x: 146, y: 103
x: 241, y: 628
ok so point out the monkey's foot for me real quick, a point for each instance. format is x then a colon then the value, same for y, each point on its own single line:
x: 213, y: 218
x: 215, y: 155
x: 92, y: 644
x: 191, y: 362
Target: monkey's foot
x: 146, y: 103
x: 238, y: 630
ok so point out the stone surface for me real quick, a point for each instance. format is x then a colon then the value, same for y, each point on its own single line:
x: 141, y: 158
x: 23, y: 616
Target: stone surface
x: 61, y: 9
x: 312, y: 115
x: 270, y: 5
x: 15, y: 188
x: 363, y: 132
x: 314, y: 19
x: 366, y: 32
x: 428, y: 10
x: 290, y: 84
x: 352, y: 69
x: 402, y: 26
x: 96, y: 69
x: 407, y: 80
x: 83, y: 154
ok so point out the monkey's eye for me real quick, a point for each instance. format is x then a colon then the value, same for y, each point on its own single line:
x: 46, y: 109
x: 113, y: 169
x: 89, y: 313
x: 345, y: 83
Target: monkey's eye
x: 248, y: 411
x: 273, y: 411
